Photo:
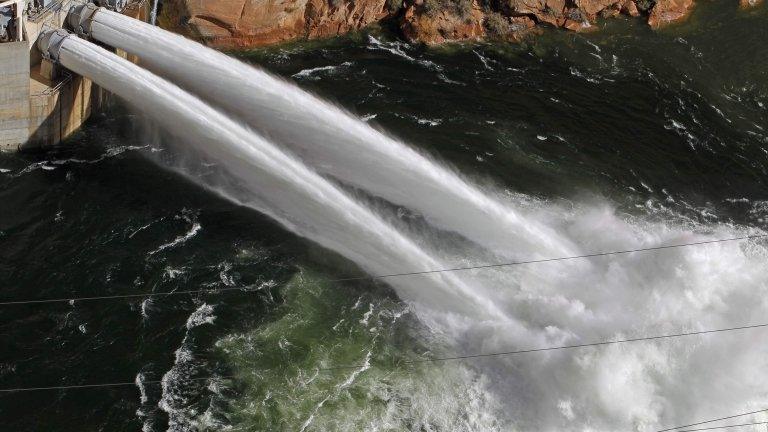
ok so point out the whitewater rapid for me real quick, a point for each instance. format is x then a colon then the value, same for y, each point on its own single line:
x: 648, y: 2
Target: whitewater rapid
x: 642, y: 386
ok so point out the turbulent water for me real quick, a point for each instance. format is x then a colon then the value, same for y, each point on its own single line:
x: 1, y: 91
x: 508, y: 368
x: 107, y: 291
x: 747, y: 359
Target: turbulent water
x: 620, y: 139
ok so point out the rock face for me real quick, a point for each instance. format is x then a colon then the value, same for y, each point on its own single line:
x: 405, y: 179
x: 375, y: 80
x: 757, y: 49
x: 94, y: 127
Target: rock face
x: 514, y: 20
x: 248, y: 23
x: 441, y: 25
x: 243, y: 23
x: 746, y: 4
x: 668, y: 11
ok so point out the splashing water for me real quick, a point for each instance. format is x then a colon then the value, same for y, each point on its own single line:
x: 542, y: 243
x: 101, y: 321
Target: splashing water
x: 153, y: 14
x: 642, y: 386
x: 331, y: 140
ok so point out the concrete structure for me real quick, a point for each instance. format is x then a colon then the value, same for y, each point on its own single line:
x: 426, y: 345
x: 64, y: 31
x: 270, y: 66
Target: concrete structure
x: 14, y: 92
x: 13, y: 10
x: 41, y: 105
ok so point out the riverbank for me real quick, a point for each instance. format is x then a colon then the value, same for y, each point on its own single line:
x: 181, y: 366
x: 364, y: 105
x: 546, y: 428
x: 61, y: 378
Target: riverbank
x: 241, y: 24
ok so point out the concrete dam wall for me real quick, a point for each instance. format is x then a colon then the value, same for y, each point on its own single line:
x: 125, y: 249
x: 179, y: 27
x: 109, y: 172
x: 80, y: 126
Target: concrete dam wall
x: 14, y: 93
x: 42, y: 104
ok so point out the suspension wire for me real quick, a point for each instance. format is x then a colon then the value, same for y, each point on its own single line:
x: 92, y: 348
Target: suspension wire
x: 545, y: 260
x: 442, y: 359
x: 723, y: 427
x: 385, y: 276
x: 99, y: 385
x: 615, y: 342
x: 678, y: 428
x: 562, y: 347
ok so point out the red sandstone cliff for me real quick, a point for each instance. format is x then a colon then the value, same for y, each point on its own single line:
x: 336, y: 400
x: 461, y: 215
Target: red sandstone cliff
x: 248, y: 23
x: 434, y: 24
x: 746, y: 4
x: 669, y: 11
x: 243, y: 23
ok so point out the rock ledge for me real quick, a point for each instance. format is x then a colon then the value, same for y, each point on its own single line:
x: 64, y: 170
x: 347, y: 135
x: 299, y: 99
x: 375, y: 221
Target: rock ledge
x: 250, y: 23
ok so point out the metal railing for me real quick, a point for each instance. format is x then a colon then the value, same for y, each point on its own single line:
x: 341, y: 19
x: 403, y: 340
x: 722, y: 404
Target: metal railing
x: 66, y: 79
x: 46, y: 12
x: 36, y: 15
x: 134, y: 5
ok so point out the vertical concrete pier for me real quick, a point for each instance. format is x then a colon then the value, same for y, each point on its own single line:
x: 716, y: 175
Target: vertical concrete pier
x: 14, y: 93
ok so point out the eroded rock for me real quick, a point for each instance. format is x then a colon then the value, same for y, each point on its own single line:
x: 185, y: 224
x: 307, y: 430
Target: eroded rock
x: 666, y: 12
x: 263, y: 22
x: 248, y: 23
x: 747, y: 4
x: 420, y: 24
x: 514, y: 29
x: 629, y: 7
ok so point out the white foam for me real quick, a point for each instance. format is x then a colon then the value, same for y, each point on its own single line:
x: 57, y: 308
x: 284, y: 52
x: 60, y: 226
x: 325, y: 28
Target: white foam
x: 145, y: 307
x: 485, y: 61
x: 193, y: 230
x: 203, y: 315
x: 339, y: 388
x: 143, y: 398
x: 312, y: 73
x: 398, y: 48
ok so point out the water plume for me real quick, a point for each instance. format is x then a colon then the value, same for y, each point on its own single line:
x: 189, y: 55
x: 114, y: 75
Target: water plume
x: 253, y: 172
x: 331, y: 140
